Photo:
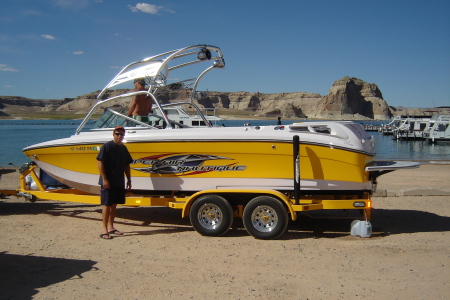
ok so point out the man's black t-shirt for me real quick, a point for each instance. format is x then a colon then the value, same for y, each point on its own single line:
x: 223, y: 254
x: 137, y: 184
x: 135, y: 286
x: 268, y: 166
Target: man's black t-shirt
x: 115, y: 158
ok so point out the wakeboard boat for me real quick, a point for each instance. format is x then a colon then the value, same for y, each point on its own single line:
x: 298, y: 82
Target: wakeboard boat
x: 335, y: 157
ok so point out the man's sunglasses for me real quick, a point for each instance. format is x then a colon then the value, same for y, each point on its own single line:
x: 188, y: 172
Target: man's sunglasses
x: 119, y: 134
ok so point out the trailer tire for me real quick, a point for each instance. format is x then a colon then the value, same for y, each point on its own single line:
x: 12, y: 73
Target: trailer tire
x: 265, y: 218
x: 33, y: 198
x: 211, y: 215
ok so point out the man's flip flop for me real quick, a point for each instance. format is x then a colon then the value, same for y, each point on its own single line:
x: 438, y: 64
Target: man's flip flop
x: 105, y: 236
x: 115, y: 231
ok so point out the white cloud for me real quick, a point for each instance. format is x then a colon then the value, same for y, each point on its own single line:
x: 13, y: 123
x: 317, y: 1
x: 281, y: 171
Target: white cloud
x: 146, y: 8
x: 48, y: 36
x: 78, y: 52
x: 7, y: 68
x: 8, y: 86
x: 115, y: 67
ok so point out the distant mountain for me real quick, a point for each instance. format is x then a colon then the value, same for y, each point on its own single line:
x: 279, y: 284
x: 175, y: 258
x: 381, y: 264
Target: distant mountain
x: 349, y: 98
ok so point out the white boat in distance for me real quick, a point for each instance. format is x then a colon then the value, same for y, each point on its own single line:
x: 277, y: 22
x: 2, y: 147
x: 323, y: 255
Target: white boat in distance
x: 335, y: 157
x: 438, y: 129
x: 180, y: 115
x: 412, y: 127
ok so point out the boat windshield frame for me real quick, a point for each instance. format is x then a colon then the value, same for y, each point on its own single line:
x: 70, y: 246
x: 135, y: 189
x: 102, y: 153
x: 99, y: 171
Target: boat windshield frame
x: 155, y: 71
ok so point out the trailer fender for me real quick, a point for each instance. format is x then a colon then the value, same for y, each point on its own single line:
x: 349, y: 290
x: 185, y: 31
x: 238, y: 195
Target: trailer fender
x: 282, y: 197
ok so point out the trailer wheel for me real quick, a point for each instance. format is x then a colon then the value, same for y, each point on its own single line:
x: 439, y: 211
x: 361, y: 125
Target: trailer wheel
x: 265, y: 218
x: 33, y: 198
x: 211, y: 215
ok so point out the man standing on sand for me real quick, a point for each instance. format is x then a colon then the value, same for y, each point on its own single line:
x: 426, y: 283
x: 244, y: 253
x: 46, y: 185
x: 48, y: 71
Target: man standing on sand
x: 113, y: 163
x: 141, y: 106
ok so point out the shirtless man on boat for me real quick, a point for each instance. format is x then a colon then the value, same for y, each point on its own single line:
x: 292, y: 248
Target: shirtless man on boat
x: 142, y: 104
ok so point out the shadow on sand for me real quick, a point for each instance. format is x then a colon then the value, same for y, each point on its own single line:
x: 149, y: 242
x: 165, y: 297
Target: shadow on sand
x: 323, y: 225
x: 384, y: 222
x: 22, y: 275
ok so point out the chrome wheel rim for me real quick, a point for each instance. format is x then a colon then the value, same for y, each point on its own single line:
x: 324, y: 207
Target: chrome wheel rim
x: 210, y: 216
x: 264, y: 218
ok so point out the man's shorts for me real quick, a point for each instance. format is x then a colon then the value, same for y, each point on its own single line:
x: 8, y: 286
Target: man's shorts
x: 143, y: 119
x: 112, y: 196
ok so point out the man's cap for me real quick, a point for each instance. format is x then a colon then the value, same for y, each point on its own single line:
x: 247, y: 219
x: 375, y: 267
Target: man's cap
x: 140, y: 80
x: 119, y: 128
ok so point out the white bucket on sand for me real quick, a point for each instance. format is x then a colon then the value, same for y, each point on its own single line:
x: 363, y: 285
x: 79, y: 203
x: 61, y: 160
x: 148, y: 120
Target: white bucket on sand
x: 361, y: 228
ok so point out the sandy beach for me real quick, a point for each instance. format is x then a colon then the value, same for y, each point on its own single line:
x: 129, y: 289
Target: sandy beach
x: 52, y: 250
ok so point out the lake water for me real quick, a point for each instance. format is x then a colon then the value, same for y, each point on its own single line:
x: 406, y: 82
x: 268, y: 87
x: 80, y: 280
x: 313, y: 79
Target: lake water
x: 17, y: 134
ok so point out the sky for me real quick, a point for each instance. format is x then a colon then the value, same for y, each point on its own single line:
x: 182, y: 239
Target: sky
x: 54, y: 49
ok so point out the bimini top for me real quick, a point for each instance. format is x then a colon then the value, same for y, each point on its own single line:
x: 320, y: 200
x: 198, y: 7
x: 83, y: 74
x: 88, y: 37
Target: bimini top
x: 155, y: 69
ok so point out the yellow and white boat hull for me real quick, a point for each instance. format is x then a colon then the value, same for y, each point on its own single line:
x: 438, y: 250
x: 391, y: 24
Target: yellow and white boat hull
x: 331, y: 159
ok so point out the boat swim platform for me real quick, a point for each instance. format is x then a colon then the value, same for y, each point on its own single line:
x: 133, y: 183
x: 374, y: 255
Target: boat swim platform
x: 415, y: 191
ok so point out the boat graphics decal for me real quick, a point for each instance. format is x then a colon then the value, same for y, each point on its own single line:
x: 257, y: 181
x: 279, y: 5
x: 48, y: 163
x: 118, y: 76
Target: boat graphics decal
x: 186, y: 164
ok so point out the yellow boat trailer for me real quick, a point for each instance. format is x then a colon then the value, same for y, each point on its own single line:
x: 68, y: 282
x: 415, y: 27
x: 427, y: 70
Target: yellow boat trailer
x: 265, y: 212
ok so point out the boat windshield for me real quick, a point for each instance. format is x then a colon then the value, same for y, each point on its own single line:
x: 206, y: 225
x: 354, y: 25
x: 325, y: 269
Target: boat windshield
x: 115, y: 116
x: 109, y: 119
